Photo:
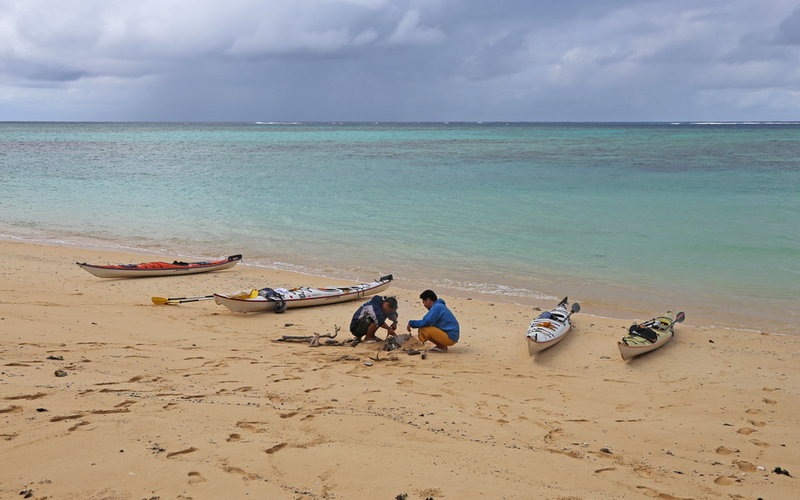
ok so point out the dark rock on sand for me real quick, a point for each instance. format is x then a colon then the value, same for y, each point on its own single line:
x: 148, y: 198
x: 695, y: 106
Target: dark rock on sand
x: 778, y: 470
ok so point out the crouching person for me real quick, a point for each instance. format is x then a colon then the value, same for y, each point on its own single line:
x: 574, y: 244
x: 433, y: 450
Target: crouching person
x: 439, y: 325
x: 373, y: 315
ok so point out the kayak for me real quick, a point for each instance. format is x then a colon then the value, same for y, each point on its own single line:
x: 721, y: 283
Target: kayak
x: 267, y: 299
x: 649, y: 336
x: 147, y: 269
x: 547, y: 329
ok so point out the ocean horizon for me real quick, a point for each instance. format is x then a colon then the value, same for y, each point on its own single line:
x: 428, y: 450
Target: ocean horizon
x: 630, y: 218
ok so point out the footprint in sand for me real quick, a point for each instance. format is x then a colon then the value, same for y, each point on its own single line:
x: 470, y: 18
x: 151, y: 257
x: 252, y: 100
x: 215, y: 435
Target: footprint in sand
x: 746, y: 430
x: 724, y: 450
x: 276, y: 448
x: 181, y: 452
x: 656, y: 494
x: 553, y: 435
x: 757, y: 423
x: 753, y: 411
x: 108, y: 412
x: 762, y: 444
x: 288, y: 415
x: 38, y: 395
x: 234, y: 438
x: 78, y: 425
x: 12, y: 409
x: 769, y: 401
x: 744, y: 466
x: 569, y: 453
x: 725, y: 480
x: 125, y: 403
x: 251, y: 426
x: 196, y: 477
x: 241, y: 472
x: 67, y: 417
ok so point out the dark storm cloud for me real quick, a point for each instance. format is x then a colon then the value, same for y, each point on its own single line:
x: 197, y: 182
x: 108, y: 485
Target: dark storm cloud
x: 399, y: 60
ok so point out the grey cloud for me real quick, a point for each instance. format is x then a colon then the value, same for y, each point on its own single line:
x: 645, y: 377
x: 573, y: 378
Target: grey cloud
x: 399, y: 60
x: 789, y: 29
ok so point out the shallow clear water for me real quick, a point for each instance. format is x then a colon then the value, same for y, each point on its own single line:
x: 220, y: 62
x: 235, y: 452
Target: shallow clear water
x: 701, y: 217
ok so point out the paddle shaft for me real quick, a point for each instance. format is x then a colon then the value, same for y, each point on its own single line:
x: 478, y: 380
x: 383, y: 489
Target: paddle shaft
x: 183, y: 301
x: 178, y: 300
x: 170, y: 299
x: 678, y: 319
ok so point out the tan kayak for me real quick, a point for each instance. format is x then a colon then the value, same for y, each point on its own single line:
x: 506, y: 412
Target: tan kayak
x: 649, y: 336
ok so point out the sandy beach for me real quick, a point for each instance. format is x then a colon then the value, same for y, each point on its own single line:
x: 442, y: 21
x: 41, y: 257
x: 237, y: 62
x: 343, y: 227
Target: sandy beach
x: 195, y: 401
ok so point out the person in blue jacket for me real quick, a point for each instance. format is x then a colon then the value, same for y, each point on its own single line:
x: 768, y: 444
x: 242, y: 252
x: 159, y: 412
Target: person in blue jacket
x: 439, y: 325
x: 373, y: 315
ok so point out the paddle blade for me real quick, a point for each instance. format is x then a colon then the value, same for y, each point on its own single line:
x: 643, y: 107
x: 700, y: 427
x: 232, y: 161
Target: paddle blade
x: 680, y: 317
x: 576, y: 307
x: 160, y: 301
x: 564, y: 301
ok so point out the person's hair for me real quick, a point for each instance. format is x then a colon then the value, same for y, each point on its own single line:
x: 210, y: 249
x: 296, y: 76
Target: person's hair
x: 428, y: 295
x: 391, y: 301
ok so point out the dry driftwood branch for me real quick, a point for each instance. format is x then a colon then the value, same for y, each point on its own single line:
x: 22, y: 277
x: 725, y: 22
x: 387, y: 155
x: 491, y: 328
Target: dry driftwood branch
x: 312, y: 340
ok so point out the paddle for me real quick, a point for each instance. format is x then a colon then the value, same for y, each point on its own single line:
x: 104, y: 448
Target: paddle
x: 575, y: 308
x: 179, y: 300
x: 678, y: 319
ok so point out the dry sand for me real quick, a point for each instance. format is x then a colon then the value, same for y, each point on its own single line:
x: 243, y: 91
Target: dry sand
x: 194, y: 401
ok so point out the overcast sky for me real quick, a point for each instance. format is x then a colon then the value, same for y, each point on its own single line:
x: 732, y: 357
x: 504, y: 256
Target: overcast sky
x: 403, y: 60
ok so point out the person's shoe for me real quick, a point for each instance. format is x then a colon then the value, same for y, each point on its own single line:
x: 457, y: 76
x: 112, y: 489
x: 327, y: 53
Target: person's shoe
x: 437, y: 349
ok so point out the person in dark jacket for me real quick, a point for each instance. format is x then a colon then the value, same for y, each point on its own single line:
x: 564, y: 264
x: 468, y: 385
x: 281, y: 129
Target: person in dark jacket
x: 373, y: 315
x: 439, y: 325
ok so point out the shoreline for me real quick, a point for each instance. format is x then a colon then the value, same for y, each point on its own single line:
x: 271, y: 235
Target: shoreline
x: 197, y: 401
x: 604, y: 309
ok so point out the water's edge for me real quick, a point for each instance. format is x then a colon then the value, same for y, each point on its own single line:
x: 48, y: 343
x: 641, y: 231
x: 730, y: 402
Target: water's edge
x: 590, y: 308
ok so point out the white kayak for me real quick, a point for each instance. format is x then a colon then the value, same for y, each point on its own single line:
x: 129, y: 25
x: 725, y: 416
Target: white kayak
x: 550, y: 327
x: 649, y: 336
x: 258, y: 301
x: 148, y: 269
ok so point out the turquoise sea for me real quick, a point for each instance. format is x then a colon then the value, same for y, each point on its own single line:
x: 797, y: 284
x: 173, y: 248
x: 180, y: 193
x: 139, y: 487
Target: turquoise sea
x: 628, y: 218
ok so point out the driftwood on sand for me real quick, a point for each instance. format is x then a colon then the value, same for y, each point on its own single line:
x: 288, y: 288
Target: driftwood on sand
x: 313, y: 340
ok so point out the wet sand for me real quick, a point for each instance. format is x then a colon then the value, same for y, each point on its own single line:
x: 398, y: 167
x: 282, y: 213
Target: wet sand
x: 195, y: 401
